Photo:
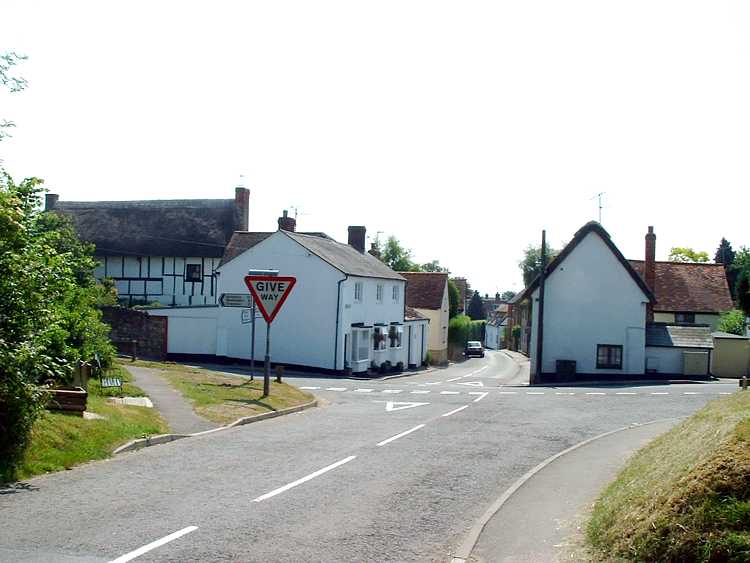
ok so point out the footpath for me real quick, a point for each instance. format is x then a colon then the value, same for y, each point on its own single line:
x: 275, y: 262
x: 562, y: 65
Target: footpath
x: 541, y: 517
x: 172, y: 406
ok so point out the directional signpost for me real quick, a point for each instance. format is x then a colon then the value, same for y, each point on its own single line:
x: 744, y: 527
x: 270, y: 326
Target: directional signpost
x: 236, y: 300
x: 269, y: 292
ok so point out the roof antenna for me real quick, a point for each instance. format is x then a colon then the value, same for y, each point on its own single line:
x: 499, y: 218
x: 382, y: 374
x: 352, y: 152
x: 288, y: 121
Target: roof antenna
x: 599, y: 196
x: 297, y: 211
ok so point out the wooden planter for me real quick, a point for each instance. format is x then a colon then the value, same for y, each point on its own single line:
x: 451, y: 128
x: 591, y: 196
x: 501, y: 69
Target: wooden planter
x: 70, y: 400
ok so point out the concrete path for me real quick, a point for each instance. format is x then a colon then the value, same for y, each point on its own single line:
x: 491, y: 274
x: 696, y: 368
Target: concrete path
x: 176, y: 410
x: 544, y: 519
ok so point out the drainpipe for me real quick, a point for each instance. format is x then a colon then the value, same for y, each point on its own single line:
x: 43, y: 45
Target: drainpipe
x: 540, y: 315
x: 338, y: 319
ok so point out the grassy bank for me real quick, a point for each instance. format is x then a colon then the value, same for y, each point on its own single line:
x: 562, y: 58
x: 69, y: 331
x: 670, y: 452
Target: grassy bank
x: 225, y: 398
x: 684, y: 497
x: 129, y: 389
x: 60, y: 441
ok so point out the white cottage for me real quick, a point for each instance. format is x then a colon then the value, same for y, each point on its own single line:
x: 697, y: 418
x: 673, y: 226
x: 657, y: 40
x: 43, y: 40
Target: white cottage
x: 164, y: 251
x: 346, y: 312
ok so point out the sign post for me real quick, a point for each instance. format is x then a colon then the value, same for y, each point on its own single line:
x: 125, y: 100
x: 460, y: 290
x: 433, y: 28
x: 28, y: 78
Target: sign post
x: 269, y: 273
x: 269, y: 293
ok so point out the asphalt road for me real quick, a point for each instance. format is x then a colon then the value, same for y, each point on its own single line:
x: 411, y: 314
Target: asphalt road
x: 393, y: 470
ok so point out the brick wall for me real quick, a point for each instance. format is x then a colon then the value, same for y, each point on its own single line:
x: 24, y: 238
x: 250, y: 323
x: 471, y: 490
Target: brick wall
x: 150, y: 333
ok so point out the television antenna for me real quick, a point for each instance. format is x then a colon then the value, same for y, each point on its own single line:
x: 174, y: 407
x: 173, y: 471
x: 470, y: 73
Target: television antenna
x: 599, y: 197
x: 297, y: 211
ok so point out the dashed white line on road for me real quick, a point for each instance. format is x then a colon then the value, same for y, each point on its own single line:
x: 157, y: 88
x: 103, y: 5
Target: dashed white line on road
x: 660, y: 393
x: 450, y: 392
x: 433, y: 383
x: 153, y: 545
x: 564, y: 393
x: 596, y: 393
x: 310, y: 388
x: 293, y: 484
x: 480, y: 397
x: 690, y: 393
x: 397, y: 436
x: 420, y: 392
x: 724, y: 393
x: 625, y: 393
x: 364, y: 390
x: 391, y: 391
x: 508, y: 392
x: 454, y: 411
x: 534, y: 393
x: 455, y: 378
x: 336, y: 389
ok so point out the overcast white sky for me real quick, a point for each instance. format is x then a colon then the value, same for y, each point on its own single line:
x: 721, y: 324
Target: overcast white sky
x: 464, y: 128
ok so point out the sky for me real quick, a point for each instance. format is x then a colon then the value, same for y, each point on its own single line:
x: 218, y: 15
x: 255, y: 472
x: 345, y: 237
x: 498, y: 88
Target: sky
x: 462, y: 128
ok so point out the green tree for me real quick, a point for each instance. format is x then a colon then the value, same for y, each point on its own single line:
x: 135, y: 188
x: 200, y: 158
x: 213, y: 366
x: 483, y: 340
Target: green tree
x: 47, y: 313
x: 507, y: 295
x: 531, y: 263
x: 433, y: 266
x: 733, y: 322
x: 475, y: 310
x: 454, y: 298
x: 743, y: 291
x: 10, y: 81
x: 724, y: 254
x: 686, y: 254
x: 397, y: 257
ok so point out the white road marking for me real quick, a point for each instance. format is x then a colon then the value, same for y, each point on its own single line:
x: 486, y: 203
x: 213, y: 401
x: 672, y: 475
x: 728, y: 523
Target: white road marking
x: 293, y: 484
x: 454, y: 411
x: 450, y: 392
x: 420, y: 392
x: 660, y: 393
x: 433, y: 383
x: 397, y: 436
x: 565, y: 393
x: 690, y: 393
x: 481, y: 396
x: 310, y: 388
x: 596, y: 393
x: 625, y: 393
x: 336, y: 389
x: 455, y: 378
x: 153, y: 545
x: 508, y: 392
x: 534, y: 393
x: 392, y: 391
x: 724, y: 393
x: 472, y: 383
x: 396, y: 406
x: 364, y: 390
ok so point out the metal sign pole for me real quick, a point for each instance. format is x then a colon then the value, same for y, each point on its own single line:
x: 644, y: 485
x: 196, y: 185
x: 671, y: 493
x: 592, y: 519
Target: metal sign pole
x: 252, y: 345
x: 267, y: 371
x: 272, y: 273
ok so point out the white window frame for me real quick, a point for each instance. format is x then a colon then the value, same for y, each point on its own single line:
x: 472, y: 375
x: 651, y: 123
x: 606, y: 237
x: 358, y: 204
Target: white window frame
x: 379, y: 293
x: 397, y: 331
x: 360, y: 343
x: 396, y: 293
x: 358, y: 292
x: 379, y: 338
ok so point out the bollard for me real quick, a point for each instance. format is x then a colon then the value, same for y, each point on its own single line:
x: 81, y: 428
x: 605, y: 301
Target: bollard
x: 743, y: 383
x: 279, y: 373
x: 133, y: 350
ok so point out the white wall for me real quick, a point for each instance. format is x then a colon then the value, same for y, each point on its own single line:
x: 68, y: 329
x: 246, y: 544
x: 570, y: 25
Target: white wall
x: 419, y: 333
x: 160, y: 279
x: 191, y: 330
x: 493, y: 336
x: 666, y: 360
x: 709, y: 319
x: 591, y: 299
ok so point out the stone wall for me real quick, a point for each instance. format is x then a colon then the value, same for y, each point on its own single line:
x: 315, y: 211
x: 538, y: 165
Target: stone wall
x: 149, y: 332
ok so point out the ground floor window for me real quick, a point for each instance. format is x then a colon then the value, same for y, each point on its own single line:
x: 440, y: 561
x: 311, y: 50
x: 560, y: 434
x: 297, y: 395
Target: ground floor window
x: 608, y: 356
x: 378, y: 338
x: 360, y: 345
x: 684, y: 317
x: 395, y: 335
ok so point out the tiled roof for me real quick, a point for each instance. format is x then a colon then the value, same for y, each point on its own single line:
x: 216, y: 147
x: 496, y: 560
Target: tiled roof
x: 678, y: 336
x: 411, y: 314
x: 195, y: 227
x: 343, y: 257
x: 244, y: 240
x: 424, y: 290
x: 688, y: 287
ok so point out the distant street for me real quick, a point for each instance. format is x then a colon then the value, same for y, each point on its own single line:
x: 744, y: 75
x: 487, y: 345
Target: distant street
x: 394, y: 470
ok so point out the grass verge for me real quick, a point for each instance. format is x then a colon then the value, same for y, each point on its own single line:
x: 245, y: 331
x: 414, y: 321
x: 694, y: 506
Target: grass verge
x: 129, y: 389
x: 224, y: 398
x: 685, y: 496
x: 60, y: 441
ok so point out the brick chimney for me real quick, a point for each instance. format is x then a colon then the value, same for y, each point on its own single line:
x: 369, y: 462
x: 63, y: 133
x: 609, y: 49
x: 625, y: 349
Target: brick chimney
x: 242, y: 205
x: 357, y: 238
x: 50, y: 201
x: 374, y: 250
x: 287, y: 223
x: 649, y: 269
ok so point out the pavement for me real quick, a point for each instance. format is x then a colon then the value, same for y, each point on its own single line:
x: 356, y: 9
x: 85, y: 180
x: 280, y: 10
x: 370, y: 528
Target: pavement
x: 397, y: 470
x: 169, y: 402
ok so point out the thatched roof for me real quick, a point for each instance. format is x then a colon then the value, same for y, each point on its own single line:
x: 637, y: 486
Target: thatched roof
x: 194, y: 227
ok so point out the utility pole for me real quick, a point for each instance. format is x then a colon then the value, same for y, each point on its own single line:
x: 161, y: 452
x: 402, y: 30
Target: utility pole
x: 537, y: 377
x: 599, y: 197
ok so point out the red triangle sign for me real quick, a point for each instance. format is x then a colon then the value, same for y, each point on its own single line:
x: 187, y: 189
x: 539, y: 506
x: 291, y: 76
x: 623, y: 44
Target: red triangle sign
x: 269, y: 293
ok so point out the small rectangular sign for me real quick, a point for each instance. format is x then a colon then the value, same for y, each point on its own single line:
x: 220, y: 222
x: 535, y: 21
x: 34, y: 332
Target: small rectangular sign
x: 244, y: 300
x: 247, y: 316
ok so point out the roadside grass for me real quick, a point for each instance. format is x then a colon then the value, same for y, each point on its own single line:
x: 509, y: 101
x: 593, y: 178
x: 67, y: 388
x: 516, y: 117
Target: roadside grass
x: 224, y: 398
x: 60, y: 441
x: 129, y: 389
x: 685, y: 496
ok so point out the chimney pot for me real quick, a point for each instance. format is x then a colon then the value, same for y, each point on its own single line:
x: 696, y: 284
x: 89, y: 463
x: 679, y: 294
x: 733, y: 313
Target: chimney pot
x: 374, y: 250
x: 50, y: 201
x: 357, y: 238
x: 242, y: 207
x: 287, y: 223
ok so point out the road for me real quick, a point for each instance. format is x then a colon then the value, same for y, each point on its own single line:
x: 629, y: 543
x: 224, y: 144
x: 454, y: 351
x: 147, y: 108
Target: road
x: 393, y: 470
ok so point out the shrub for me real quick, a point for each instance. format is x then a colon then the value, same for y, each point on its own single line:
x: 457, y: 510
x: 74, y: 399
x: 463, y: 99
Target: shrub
x: 733, y: 322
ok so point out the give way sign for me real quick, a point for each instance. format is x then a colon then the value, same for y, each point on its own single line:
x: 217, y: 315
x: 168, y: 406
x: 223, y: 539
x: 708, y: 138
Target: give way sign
x: 269, y: 293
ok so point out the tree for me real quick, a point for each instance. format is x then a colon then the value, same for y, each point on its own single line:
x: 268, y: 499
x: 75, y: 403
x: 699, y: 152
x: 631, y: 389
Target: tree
x: 732, y: 322
x: 397, y: 257
x: 724, y: 254
x: 11, y: 82
x: 454, y: 298
x: 531, y: 263
x: 475, y: 309
x: 743, y: 291
x: 433, y: 266
x: 686, y: 254
x: 507, y: 295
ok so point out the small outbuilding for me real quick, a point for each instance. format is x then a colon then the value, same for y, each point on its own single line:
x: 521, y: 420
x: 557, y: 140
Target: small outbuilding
x: 731, y: 355
x: 678, y: 350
